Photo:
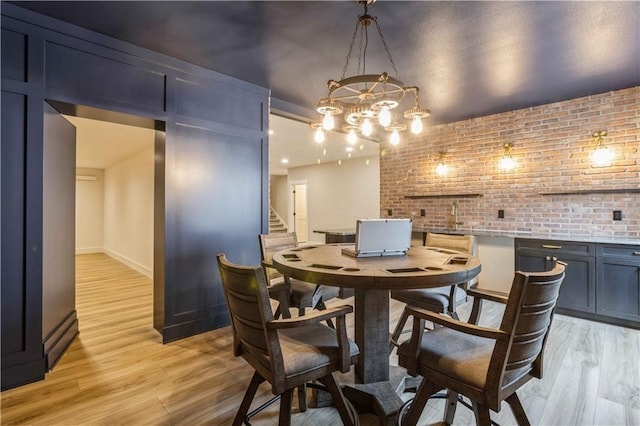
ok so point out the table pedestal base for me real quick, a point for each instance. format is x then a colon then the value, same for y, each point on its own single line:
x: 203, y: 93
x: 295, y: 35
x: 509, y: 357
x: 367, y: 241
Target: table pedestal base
x: 380, y: 397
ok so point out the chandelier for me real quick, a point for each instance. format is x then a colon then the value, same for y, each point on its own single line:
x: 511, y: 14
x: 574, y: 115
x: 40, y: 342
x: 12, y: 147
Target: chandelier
x: 367, y: 99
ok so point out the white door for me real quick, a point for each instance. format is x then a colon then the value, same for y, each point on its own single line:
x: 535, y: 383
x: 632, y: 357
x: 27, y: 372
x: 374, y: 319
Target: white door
x: 300, y: 219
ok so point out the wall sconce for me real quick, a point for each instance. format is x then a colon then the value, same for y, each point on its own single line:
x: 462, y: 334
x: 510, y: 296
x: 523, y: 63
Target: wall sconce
x: 602, y: 155
x: 442, y: 169
x: 507, y: 162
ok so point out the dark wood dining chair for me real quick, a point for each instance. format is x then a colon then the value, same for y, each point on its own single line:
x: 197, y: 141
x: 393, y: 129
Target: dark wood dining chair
x: 302, y: 294
x: 285, y: 352
x: 483, y: 364
x: 441, y: 299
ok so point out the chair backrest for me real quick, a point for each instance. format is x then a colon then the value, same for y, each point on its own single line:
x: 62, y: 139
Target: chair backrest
x: 273, y: 243
x: 527, y: 318
x: 464, y: 243
x: 247, y: 297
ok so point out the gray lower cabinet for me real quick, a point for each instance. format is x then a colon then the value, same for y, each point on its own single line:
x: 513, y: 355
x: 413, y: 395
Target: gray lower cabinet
x: 602, y: 281
x: 618, y: 278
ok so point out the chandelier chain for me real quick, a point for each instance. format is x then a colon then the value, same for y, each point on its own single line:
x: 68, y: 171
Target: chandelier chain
x: 353, y: 40
x: 364, y: 43
x: 386, y: 48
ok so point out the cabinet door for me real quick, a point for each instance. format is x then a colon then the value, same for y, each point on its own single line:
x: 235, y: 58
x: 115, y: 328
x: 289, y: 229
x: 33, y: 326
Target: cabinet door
x: 577, y: 291
x: 532, y: 261
x: 618, y: 288
x: 578, y: 288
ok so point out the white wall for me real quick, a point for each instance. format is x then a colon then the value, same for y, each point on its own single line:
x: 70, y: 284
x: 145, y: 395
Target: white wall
x: 128, y: 211
x: 279, y: 195
x: 90, y: 211
x: 498, y: 263
x: 338, y: 195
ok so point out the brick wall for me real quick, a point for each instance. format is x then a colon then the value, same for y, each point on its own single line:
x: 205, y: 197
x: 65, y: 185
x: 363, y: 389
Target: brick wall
x: 551, y: 144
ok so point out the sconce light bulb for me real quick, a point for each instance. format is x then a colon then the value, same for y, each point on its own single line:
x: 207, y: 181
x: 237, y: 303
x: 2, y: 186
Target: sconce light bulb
x: 319, y: 135
x: 442, y: 169
x: 602, y: 156
x: 385, y: 117
x: 416, y: 125
x: 507, y: 163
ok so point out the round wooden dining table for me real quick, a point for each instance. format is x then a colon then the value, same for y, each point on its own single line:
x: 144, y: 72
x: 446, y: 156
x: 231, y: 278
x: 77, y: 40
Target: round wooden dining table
x: 372, y: 278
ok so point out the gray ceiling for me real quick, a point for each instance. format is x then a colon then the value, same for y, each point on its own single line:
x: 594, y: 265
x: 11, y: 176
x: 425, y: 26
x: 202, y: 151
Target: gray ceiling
x: 468, y: 58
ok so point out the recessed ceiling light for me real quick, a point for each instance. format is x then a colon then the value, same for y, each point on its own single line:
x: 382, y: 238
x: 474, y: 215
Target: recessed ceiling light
x: 285, y: 161
x: 349, y: 149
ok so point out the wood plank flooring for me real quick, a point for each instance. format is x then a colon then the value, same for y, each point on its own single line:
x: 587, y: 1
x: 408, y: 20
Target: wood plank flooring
x: 119, y: 373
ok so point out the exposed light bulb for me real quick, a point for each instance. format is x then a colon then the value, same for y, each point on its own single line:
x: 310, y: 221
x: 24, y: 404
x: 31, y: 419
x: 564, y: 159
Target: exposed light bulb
x: 507, y: 163
x: 602, y: 156
x: 395, y: 137
x: 367, y: 127
x: 416, y: 125
x: 384, y: 118
x: 442, y: 169
x: 352, y: 138
x: 319, y: 135
x: 328, y: 122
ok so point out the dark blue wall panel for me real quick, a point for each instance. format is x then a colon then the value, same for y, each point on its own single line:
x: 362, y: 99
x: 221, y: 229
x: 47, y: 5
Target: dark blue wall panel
x: 211, y: 171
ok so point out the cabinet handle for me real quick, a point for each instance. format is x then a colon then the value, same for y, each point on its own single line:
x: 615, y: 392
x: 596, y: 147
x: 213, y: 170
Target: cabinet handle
x: 548, y: 246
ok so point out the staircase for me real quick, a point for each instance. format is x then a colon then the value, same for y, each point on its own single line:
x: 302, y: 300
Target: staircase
x: 276, y: 224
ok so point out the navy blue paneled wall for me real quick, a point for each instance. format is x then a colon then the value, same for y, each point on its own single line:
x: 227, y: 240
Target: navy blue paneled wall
x: 211, y: 171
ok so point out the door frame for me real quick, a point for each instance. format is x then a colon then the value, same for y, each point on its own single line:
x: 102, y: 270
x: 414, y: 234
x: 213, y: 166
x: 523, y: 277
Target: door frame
x: 292, y: 213
x: 118, y: 117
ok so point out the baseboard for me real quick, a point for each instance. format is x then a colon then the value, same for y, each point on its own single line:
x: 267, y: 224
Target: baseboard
x: 190, y: 328
x: 89, y: 250
x: 130, y: 263
x: 57, y: 342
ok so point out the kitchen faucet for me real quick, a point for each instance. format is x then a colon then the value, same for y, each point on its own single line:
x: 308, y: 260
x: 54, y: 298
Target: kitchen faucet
x: 454, y: 213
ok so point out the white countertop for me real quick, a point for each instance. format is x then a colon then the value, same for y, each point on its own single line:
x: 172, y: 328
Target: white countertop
x: 483, y: 232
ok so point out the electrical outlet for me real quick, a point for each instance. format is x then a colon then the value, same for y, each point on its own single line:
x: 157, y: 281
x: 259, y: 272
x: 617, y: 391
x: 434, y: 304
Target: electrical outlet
x: 617, y: 215
x: 501, y: 214
x: 422, y: 212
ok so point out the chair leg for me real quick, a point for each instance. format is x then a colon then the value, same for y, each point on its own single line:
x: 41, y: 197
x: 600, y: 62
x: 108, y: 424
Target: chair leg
x: 285, y: 408
x: 248, y: 398
x: 450, y: 408
x: 393, y: 342
x: 476, y: 310
x: 426, y: 389
x: 302, y: 397
x: 329, y: 381
x: 518, y: 410
x: 483, y: 418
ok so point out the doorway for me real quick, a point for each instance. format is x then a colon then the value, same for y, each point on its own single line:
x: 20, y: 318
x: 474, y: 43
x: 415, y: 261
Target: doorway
x: 300, y: 218
x: 114, y: 197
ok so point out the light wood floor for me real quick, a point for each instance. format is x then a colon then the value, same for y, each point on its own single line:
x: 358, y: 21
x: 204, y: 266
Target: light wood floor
x: 118, y: 372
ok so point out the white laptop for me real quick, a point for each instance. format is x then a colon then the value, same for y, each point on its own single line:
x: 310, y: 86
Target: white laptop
x: 381, y: 237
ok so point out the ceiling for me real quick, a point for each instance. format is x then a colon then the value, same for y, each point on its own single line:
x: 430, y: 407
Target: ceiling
x: 469, y: 59
x: 101, y: 144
